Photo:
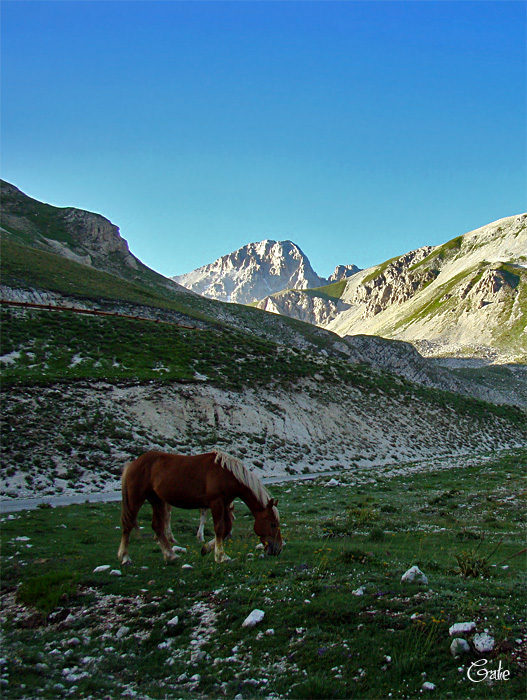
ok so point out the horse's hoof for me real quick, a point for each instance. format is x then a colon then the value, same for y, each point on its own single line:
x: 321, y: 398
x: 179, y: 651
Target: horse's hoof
x: 204, y: 550
x: 126, y: 562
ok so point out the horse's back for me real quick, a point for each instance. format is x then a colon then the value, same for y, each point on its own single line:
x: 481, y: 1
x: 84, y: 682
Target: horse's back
x: 181, y: 480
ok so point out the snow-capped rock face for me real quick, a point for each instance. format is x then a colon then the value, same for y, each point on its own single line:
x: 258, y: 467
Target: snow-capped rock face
x: 253, y: 272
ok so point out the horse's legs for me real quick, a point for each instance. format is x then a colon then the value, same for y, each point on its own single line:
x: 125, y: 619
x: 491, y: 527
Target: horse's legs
x: 201, y: 528
x: 128, y: 524
x: 168, y: 527
x: 159, y: 525
x: 122, y: 553
x: 222, y: 517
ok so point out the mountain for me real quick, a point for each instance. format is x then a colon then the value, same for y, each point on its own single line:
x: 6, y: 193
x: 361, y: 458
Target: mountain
x: 41, y: 251
x: 81, y: 236
x: 257, y: 270
x: 467, y: 297
x: 70, y: 257
x: 161, y: 368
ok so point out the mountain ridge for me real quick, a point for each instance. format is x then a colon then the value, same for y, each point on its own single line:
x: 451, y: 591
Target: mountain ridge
x: 257, y: 270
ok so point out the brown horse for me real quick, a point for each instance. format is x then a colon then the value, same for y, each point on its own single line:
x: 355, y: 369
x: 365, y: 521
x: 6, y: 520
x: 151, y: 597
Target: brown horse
x: 210, y: 480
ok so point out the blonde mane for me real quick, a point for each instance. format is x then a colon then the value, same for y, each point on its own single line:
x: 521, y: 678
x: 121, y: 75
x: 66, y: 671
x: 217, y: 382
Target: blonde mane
x: 245, y: 477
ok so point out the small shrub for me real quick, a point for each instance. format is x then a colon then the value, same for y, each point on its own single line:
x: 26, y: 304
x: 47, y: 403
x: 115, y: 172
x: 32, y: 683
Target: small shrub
x: 376, y: 535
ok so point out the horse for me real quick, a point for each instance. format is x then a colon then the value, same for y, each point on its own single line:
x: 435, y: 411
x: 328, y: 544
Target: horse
x: 212, y: 480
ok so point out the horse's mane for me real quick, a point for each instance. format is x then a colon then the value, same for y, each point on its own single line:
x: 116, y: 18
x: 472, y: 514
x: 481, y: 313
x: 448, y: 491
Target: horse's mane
x: 244, y: 476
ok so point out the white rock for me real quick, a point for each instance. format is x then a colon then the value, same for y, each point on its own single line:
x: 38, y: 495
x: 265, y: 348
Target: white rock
x: 122, y: 631
x: 414, y: 573
x: 254, y: 618
x: 428, y: 686
x: 98, y: 569
x: 187, y: 566
x: 483, y: 642
x: 462, y: 628
x: 174, y: 621
x: 459, y: 647
x: 182, y: 550
x: 359, y: 591
x: 115, y: 572
x: 333, y: 482
x: 195, y: 678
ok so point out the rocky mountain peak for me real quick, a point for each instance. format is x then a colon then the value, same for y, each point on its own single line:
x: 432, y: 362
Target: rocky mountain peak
x: 342, y: 272
x: 253, y: 272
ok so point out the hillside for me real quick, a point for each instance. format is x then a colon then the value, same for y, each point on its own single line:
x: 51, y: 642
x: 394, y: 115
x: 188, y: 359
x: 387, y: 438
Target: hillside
x: 82, y: 395
x: 467, y: 294
x: 48, y: 257
x: 465, y: 298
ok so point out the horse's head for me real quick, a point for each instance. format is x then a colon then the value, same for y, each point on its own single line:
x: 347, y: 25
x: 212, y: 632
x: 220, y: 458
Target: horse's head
x: 267, y: 527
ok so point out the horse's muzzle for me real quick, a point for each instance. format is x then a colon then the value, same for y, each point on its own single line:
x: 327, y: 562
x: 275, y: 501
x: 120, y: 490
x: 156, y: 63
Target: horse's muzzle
x: 273, y: 549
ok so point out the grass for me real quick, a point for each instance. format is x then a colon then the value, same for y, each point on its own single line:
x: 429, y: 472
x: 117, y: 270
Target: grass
x: 70, y: 346
x: 107, y: 635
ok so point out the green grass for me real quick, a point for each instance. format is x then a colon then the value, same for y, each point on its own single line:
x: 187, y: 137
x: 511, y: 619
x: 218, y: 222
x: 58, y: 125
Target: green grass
x: 112, y: 635
x: 67, y: 346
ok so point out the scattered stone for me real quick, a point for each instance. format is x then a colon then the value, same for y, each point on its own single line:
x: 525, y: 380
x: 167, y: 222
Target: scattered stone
x: 462, y: 628
x: 428, y: 686
x: 173, y: 622
x: 254, y: 618
x: 122, y: 631
x: 181, y: 550
x: 359, y: 591
x: 99, y: 569
x: 459, y: 647
x: 333, y: 482
x: 115, y: 572
x: 187, y: 566
x: 483, y: 643
x: 413, y: 573
x: 195, y: 678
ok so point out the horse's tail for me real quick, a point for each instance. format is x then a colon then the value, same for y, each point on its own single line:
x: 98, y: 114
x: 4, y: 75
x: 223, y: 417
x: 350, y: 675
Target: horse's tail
x: 128, y: 520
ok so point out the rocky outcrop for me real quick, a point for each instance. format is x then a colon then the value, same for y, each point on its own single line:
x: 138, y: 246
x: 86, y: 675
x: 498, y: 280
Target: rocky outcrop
x: 304, y: 306
x: 342, y: 272
x: 397, y: 283
x: 96, y: 234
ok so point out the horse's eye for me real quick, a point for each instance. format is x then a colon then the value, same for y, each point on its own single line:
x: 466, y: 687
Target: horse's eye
x: 273, y: 526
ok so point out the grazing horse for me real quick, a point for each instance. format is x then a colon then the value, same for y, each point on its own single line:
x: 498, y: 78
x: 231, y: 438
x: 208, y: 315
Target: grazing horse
x: 211, y: 480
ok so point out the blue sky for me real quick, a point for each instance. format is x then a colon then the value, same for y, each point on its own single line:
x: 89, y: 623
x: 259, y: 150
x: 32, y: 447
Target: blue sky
x: 359, y: 130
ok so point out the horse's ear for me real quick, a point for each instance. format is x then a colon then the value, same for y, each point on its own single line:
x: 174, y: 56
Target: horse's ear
x: 273, y: 503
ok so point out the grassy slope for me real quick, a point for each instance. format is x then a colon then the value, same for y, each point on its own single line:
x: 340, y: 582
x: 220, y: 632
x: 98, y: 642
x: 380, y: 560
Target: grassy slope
x: 26, y: 267
x: 326, y: 642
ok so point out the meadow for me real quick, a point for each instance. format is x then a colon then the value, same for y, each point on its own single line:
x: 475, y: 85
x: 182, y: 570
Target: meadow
x: 339, y: 622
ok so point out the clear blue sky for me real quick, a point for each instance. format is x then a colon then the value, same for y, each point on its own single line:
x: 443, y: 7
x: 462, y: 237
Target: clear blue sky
x: 359, y: 130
